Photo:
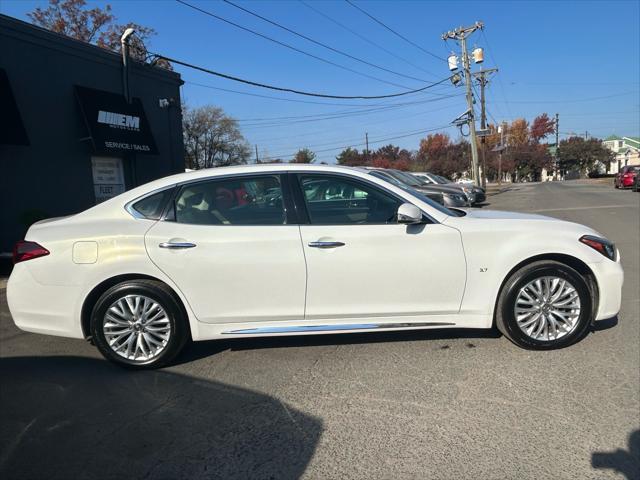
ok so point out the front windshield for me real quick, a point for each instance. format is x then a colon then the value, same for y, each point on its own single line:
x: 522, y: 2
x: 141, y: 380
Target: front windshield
x: 442, y: 179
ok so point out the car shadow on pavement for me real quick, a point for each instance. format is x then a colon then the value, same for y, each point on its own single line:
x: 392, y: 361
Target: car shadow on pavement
x: 625, y: 462
x: 198, y: 350
x: 73, y: 417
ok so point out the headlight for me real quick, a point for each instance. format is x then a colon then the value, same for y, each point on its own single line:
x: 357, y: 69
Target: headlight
x: 602, y: 245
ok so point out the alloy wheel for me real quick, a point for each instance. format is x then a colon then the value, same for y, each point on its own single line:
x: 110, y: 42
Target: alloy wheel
x: 137, y: 328
x: 547, y: 308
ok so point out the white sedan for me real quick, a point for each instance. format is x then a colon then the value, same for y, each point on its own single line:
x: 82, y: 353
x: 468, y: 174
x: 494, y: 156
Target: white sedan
x: 301, y: 249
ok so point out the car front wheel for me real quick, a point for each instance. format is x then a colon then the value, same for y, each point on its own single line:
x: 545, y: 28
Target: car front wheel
x: 139, y: 324
x: 545, y: 305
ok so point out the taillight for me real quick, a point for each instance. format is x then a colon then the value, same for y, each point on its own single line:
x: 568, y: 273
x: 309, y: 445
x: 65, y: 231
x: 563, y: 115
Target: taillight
x: 25, y: 250
x: 602, y: 245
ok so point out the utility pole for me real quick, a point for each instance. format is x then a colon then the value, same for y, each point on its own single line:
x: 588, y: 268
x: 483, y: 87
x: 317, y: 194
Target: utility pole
x: 557, y: 146
x: 502, y: 127
x: 461, y: 34
x: 481, y: 77
x: 366, y: 141
x: 257, y: 153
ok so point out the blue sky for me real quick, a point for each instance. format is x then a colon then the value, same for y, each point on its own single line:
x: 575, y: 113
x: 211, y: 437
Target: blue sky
x: 580, y: 59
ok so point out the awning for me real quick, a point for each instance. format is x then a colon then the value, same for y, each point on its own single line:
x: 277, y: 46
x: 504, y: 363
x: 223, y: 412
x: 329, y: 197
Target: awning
x: 12, y: 130
x: 115, y: 125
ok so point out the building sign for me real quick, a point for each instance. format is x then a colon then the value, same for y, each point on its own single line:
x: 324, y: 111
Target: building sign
x: 115, y: 126
x: 108, y: 177
x: 12, y: 130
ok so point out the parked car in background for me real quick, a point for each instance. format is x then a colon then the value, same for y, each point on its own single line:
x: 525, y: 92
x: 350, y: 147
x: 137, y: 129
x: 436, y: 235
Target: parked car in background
x: 625, y: 178
x: 384, y: 174
x: 464, y: 180
x: 472, y: 191
x: 271, y: 250
x: 452, y: 197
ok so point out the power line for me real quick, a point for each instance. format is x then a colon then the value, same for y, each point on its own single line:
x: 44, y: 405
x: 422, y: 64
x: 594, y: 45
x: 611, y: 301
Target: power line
x: 381, y: 140
x: 374, y: 109
x: 290, y: 47
x: 349, y: 140
x: 294, y: 100
x: 622, y: 94
x: 291, y: 90
x: 362, y: 37
x: 495, y: 64
x: 394, y: 32
x: 386, y: 120
x: 321, y: 44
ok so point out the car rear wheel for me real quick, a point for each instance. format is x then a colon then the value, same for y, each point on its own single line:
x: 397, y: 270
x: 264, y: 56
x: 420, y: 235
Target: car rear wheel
x: 139, y: 324
x: 545, y: 305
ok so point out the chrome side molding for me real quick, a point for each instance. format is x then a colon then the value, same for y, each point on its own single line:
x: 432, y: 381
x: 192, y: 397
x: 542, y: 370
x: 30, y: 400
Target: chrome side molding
x: 332, y: 328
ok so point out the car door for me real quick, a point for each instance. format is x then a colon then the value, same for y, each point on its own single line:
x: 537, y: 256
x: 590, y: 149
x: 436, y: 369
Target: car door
x: 362, y: 263
x: 232, y: 249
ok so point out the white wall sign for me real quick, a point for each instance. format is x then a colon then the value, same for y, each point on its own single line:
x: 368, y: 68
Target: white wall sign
x: 108, y: 177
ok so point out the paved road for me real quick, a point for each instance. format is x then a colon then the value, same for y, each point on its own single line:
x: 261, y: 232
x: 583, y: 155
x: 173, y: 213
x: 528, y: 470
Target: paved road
x: 430, y: 405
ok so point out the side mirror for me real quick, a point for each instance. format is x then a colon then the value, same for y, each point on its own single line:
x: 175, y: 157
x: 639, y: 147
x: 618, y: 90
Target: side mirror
x: 409, y: 214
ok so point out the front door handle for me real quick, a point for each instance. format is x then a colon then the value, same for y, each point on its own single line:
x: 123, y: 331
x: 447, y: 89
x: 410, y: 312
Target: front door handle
x: 176, y: 245
x: 326, y: 244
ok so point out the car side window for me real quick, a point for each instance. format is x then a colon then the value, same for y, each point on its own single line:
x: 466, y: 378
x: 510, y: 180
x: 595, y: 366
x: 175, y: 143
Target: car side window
x: 333, y: 200
x: 232, y: 201
x: 151, y: 207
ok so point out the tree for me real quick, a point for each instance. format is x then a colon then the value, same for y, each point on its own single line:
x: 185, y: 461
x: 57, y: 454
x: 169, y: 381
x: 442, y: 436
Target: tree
x: 351, y: 157
x: 518, y: 133
x: 388, y: 152
x: 541, y: 127
x: 304, y: 155
x: 433, y: 147
x: 576, y: 153
x: 211, y: 138
x: 96, y: 25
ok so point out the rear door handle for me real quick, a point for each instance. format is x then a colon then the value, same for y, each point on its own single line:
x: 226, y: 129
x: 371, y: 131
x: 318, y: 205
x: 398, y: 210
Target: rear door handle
x: 326, y: 244
x: 176, y: 245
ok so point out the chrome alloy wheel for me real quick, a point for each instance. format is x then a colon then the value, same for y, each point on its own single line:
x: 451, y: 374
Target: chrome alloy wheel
x: 136, y: 327
x: 547, y: 308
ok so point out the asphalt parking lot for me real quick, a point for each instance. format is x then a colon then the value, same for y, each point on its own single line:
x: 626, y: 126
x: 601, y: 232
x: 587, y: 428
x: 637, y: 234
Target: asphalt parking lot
x: 425, y: 405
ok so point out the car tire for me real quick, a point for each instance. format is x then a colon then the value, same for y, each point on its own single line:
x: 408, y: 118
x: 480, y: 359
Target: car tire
x: 139, y: 324
x: 578, y: 313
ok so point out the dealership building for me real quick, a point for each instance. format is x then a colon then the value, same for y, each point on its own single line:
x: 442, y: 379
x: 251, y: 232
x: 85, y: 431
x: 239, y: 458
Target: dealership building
x: 71, y: 134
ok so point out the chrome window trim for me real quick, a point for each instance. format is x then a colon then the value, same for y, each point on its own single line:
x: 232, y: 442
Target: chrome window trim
x: 179, y: 185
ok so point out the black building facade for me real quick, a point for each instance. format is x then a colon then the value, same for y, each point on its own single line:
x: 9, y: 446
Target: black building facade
x: 68, y: 136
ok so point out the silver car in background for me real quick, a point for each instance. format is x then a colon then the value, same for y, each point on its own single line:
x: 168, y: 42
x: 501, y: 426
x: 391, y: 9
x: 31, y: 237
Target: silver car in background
x: 452, y: 196
x: 474, y: 193
x: 449, y: 197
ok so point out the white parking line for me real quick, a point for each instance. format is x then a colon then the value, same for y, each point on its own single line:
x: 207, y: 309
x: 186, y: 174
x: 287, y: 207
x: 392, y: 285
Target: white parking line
x: 585, y: 208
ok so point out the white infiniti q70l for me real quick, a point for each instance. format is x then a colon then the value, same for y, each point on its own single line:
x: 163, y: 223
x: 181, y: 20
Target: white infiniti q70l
x: 301, y: 249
